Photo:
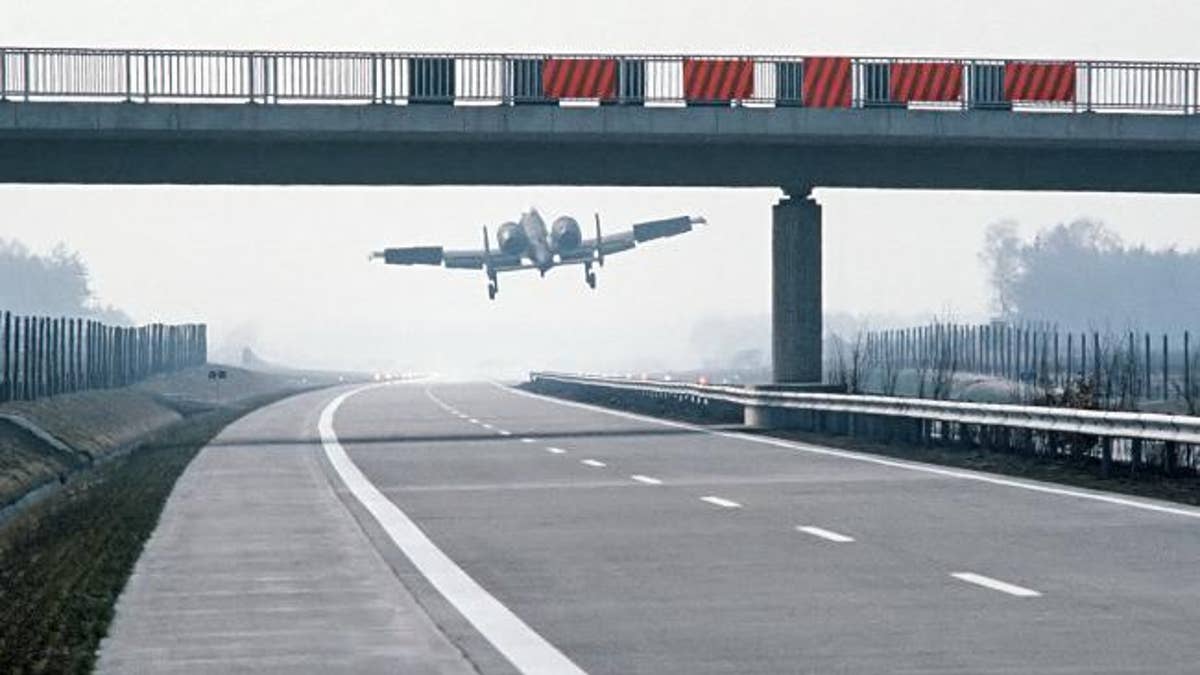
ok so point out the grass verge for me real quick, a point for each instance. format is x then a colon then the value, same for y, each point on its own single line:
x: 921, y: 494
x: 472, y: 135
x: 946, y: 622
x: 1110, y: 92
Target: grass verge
x: 64, y: 561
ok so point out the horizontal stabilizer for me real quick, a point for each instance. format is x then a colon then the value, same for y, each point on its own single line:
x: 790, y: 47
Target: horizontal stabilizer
x: 413, y: 255
x: 657, y: 229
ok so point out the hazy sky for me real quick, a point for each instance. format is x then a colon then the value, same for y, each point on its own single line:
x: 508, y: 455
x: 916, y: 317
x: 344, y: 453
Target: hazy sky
x: 285, y: 268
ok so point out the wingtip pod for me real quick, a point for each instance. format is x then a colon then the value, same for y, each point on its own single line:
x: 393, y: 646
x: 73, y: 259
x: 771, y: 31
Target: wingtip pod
x: 697, y: 220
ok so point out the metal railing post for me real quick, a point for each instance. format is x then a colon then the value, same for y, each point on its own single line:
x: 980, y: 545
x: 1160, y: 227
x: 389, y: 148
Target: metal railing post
x: 128, y: 77
x: 25, y: 82
x: 374, y: 78
x: 146, y: 78
x: 3, y: 76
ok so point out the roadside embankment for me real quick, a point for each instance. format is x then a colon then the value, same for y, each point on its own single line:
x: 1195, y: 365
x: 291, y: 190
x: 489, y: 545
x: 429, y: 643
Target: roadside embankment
x: 44, y: 442
x: 66, y: 553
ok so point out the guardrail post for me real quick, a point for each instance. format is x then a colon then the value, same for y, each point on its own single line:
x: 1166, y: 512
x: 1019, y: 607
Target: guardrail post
x: 1170, y: 449
x: 1106, y: 454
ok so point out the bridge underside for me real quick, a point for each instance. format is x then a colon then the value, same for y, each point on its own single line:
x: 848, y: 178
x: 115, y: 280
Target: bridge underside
x: 613, y: 145
x: 657, y: 164
x: 793, y: 149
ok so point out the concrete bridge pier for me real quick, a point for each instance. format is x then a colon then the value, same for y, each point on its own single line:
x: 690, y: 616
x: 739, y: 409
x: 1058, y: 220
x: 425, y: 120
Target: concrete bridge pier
x: 796, y: 289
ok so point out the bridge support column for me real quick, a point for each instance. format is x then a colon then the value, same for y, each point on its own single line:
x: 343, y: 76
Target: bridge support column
x: 796, y: 289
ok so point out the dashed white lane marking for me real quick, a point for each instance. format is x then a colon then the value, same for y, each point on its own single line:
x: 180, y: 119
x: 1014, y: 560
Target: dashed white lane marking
x: 592, y: 462
x: 1044, y: 488
x: 487, y: 426
x: 556, y: 451
x: 528, y: 440
x: 502, y: 432
x: 646, y: 479
x: 825, y: 534
x: 996, y: 585
x: 528, y: 652
x: 473, y: 421
x: 722, y: 502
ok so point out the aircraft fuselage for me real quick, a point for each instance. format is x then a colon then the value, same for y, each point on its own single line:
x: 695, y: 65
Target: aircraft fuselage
x: 539, y: 245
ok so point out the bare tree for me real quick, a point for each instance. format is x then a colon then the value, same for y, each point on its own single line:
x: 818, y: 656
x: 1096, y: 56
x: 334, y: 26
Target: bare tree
x: 852, y: 362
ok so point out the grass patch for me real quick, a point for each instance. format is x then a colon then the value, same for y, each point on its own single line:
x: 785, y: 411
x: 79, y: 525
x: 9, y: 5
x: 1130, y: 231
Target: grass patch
x: 64, y: 562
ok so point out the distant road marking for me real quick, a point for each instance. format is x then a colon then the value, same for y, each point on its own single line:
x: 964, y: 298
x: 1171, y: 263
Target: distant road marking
x: 980, y: 477
x: 996, y: 585
x: 556, y: 451
x: 502, y: 432
x: 528, y: 440
x: 592, y: 462
x: 722, y: 502
x: 646, y: 479
x: 528, y: 652
x: 825, y: 534
x: 474, y: 421
x: 485, y: 425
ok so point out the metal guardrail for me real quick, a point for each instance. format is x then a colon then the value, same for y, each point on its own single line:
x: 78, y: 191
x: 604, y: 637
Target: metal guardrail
x: 1125, y: 425
x: 208, y: 76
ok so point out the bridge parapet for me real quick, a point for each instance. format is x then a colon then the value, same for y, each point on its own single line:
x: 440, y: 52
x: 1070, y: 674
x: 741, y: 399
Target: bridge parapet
x: 402, y: 78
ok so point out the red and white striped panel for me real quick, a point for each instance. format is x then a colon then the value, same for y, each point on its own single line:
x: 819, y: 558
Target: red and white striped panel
x: 580, y: 78
x: 718, y: 80
x: 926, y: 81
x: 827, y: 82
x: 1040, y: 82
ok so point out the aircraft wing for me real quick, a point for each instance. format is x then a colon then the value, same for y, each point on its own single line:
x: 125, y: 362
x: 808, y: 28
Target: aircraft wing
x: 436, y: 255
x: 608, y: 244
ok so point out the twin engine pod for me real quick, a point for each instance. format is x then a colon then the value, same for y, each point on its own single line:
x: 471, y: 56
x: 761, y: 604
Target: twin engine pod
x: 565, y: 235
x: 512, y: 239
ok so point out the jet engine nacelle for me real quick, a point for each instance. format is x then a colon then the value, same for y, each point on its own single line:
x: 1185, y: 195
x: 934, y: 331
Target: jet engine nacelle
x: 512, y: 239
x: 565, y: 235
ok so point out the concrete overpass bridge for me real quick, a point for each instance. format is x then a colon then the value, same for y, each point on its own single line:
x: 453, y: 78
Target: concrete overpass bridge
x: 287, y: 118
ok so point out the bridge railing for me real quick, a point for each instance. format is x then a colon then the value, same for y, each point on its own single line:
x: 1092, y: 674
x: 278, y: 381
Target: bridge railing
x: 1172, y: 437
x: 399, y: 78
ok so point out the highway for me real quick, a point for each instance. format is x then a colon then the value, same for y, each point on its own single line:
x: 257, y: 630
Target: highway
x: 563, y: 538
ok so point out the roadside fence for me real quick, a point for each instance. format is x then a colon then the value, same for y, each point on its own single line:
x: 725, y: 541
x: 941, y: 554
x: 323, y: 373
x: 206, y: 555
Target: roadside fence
x: 44, y: 356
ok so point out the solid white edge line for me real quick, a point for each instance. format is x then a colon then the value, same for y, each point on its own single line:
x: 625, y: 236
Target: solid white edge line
x: 648, y: 480
x: 593, y: 462
x: 721, y: 501
x: 1044, y: 488
x: 528, y: 652
x: 996, y: 584
x: 825, y: 534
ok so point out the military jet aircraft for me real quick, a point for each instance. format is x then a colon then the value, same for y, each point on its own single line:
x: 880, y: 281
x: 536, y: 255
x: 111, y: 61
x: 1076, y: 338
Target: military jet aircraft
x: 527, y: 245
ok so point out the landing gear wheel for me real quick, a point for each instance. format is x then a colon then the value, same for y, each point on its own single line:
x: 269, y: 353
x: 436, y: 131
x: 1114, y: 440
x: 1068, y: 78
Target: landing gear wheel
x: 492, y: 291
x: 589, y: 276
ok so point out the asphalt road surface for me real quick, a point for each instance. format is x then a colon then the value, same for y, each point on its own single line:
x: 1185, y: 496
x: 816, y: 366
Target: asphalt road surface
x: 542, y: 536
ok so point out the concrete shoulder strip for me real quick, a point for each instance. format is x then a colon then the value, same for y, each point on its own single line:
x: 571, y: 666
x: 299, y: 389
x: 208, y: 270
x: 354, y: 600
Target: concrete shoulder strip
x: 528, y: 651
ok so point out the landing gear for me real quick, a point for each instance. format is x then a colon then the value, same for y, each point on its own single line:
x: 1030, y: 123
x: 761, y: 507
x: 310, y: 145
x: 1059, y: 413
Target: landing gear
x: 589, y: 276
x: 493, y: 284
